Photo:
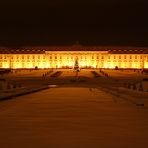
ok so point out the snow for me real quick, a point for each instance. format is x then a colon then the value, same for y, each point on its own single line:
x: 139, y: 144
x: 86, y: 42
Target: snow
x: 72, y: 117
x: 87, y: 112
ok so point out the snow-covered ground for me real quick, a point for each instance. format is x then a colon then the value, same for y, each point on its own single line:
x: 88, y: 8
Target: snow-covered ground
x: 26, y: 73
x: 72, y: 118
x: 117, y: 78
x: 126, y: 74
x: 88, y: 112
x: 72, y: 73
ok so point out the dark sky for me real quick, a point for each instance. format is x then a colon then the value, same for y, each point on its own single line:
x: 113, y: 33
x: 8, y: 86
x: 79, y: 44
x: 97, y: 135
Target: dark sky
x: 59, y: 22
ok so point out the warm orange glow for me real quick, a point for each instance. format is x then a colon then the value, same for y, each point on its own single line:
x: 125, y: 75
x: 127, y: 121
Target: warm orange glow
x: 55, y: 59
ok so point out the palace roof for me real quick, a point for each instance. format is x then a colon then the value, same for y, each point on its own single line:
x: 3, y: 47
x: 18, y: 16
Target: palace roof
x: 42, y: 49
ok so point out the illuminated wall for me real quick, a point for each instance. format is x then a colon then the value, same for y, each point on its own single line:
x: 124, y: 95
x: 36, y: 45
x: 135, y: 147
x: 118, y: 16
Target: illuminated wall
x: 62, y: 59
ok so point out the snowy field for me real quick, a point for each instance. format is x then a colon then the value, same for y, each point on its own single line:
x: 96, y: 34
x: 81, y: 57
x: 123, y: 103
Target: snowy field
x: 126, y: 74
x: 37, y: 78
x: 26, y: 73
x: 72, y: 118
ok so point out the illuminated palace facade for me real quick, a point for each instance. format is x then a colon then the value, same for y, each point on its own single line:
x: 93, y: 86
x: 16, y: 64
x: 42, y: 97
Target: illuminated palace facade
x: 65, y: 56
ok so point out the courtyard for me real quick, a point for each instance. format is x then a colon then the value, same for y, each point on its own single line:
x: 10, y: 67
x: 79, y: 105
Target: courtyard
x: 91, y: 108
x: 72, y: 117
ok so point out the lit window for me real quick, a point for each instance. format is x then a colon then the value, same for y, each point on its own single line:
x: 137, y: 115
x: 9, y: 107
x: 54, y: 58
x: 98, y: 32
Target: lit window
x: 23, y: 65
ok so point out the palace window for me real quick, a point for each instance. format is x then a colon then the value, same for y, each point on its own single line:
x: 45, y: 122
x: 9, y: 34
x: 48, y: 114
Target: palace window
x: 97, y: 57
x: 22, y: 56
x: 33, y: 64
x: 38, y: 57
x: 120, y: 57
x: 102, y: 57
x: 23, y: 65
x: 0, y: 57
x: 125, y: 57
x: 135, y: 57
x: 130, y: 57
x: 50, y: 57
x: 28, y: 57
x: 114, y: 57
x: 33, y: 57
x: 55, y: 57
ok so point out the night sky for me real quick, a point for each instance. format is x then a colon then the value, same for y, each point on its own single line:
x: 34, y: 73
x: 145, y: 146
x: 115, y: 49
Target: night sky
x: 63, y: 22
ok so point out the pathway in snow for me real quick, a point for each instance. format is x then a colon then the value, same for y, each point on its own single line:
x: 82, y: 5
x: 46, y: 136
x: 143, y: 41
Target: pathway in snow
x: 72, y: 118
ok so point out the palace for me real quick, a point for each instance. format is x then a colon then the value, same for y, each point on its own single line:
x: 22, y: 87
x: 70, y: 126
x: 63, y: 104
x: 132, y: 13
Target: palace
x: 65, y: 56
